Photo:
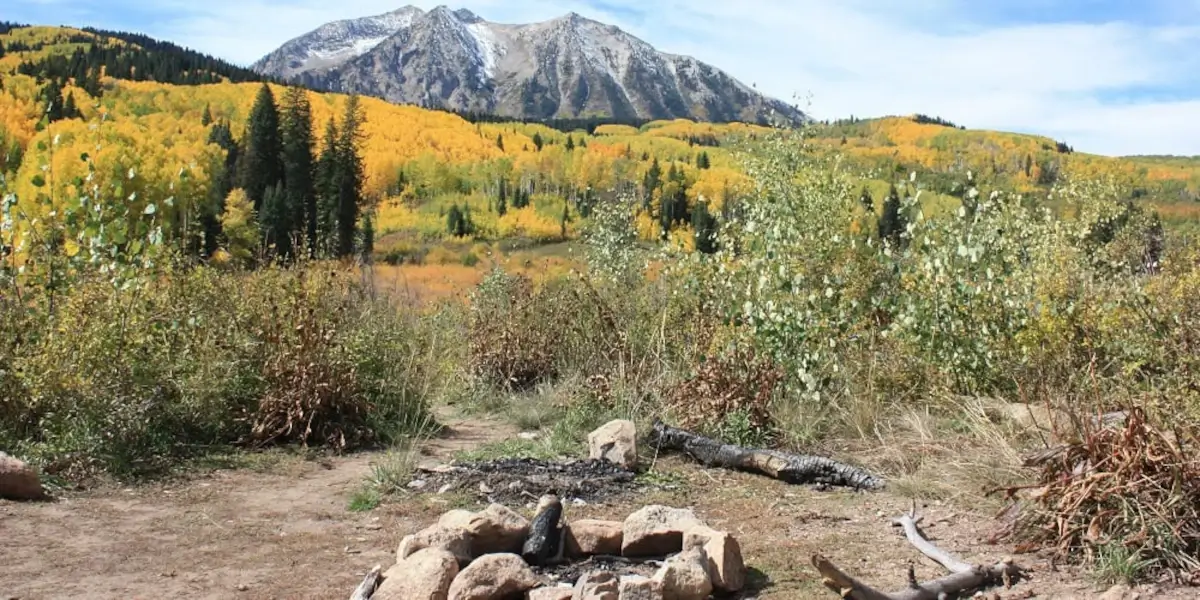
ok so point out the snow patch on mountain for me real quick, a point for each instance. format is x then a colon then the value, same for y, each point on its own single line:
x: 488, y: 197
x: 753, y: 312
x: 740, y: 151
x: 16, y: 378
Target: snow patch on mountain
x: 488, y: 47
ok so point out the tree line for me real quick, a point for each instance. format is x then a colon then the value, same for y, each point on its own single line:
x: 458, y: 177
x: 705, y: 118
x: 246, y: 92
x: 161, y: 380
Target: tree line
x: 281, y: 193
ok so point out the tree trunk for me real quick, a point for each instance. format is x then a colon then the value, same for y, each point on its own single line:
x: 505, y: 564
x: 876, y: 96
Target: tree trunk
x: 790, y: 468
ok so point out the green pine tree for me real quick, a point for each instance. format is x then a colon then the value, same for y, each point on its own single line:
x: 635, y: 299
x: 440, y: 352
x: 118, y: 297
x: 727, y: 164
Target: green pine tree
x: 206, y: 117
x: 454, y: 221
x: 326, y: 188
x: 262, y: 164
x: 70, y: 111
x: 891, y: 219
x: 570, y: 144
x: 704, y: 227
x: 502, y: 201
x: 298, y: 164
x: 351, y: 175
x: 538, y: 141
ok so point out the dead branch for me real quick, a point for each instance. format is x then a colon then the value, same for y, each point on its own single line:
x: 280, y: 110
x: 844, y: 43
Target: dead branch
x: 790, y: 468
x: 963, y: 577
x: 366, y: 589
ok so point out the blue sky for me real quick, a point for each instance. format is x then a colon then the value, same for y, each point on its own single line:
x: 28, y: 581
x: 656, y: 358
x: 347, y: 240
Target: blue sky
x: 1107, y: 76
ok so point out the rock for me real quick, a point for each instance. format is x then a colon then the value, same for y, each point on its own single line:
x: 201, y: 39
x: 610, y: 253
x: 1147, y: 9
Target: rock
x: 656, y: 530
x: 615, y: 442
x: 725, y: 564
x: 636, y: 587
x: 1119, y: 592
x: 18, y: 481
x: 496, y: 529
x: 552, y: 593
x: 685, y: 576
x: 598, y: 585
x: 425, y: 575
x: 588, y: 537
x: 493, y: 576
x: 451, y: 539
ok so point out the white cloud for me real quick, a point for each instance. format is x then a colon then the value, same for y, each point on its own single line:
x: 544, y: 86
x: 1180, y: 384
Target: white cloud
x: 861, y: 57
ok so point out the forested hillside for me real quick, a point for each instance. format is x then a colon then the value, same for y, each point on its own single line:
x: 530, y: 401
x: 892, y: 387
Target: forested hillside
x: 107, y: 112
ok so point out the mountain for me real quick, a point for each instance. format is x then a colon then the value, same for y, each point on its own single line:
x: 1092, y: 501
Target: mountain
x: 567, y: 67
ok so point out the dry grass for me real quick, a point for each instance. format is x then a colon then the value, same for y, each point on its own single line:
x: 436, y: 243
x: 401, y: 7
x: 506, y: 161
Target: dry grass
x: 1123, y: 496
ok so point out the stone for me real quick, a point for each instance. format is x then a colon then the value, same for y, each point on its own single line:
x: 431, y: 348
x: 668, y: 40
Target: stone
x: 685, y: 576
x: 492, y: 577
x: 552, y: 593
x: 424, y: 575
x: 589, y: 537
x: 19, y: 481
x: 1119, y: 592
x: 636, y: 587
x: 495, y: 529
x: 598, y: 585
x: 656, y: 531
x: 615, y: 442
x: 451, y: 539
x: 725, y: 564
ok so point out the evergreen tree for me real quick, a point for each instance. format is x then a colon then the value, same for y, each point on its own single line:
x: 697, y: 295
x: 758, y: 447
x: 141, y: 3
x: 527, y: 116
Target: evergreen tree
x: 52, y: 99
x: 538, y: 141
x: 891, y: 220
x: 651, y: 181
x: 206, y: 117
x: 865, y: 199
x: 275, y: 221
x: 502, y: 201
x: 262, y: 164
x: 570, y: 144
x: 327, y: 185
x: 351, y: 175
x: 454, y: 221
x: 500, y: 141
x: 298, y: 164
x: 70, y: 111
x: 222, y: 180
x: 566, y: 218
x: 368, y: 238
x: 704, y: 226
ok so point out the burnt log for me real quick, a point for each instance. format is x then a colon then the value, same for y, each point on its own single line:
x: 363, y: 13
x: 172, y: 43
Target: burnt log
x: 369, y: 584
x: 789, y: 468
x: 545, y: 541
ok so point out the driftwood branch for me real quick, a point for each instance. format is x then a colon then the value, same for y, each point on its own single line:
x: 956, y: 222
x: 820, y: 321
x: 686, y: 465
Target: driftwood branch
x: 963, y: 576
x: 790, y: 468
x: 366, y: 589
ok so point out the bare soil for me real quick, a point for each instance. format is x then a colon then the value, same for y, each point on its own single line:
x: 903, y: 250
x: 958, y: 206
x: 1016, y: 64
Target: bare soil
x: 284, y: 531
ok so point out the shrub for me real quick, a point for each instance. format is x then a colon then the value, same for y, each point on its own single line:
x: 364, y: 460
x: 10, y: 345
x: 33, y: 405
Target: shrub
x: 128, y: 380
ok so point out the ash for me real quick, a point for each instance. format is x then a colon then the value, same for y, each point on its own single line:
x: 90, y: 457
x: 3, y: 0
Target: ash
x: 519, y: 480
x: 571, y: 572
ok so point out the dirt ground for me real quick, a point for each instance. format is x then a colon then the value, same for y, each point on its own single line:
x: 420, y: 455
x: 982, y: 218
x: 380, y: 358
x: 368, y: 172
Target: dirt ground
x: 283, y: 531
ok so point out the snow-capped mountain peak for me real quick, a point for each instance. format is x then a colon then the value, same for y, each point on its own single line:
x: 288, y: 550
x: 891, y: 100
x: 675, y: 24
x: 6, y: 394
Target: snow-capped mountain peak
x: 565, y: 67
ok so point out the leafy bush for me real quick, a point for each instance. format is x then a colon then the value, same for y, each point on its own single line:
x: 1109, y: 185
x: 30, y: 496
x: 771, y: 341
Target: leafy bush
x: 126, y: 380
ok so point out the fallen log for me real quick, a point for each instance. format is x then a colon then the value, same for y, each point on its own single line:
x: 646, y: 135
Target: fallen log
x: 963, y: 577
x: 366, y: 589
x: 789, y: 468
x: 544, y: 543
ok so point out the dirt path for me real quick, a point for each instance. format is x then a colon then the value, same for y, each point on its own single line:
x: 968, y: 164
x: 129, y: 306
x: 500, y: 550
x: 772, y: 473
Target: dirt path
x: 285, y: 533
